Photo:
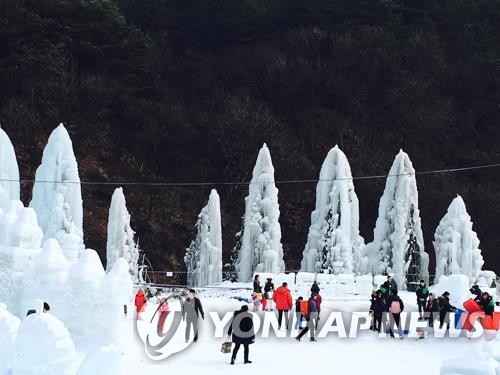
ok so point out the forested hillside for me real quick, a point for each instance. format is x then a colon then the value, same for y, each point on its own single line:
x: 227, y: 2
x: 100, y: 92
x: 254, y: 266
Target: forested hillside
x: 189, y: 90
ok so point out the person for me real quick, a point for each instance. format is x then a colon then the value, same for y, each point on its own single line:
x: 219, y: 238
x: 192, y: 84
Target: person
x: 370, y: 311
x: 444, y: 308
x: 46, y: 307
x: 191, y: 310
x: 318, y: 300
x: 242, y: 331
x: 310, y: 316
x: 283, y: 300
x: 378, y: 308
x: 432, y: 307
x: 487, y: 304
x: 140, y: 302
x: 164, y: 310
x: 422, y: 295
x: 385, y: 288
x: 497, y: 284
x: 392, y: 283
x: 315, y: 288
x: 298, y: 314
x: 256, y: 300
x: 268, y: 288
x: 475, y: 290
x: 256, y: 284
x: 395, y: 306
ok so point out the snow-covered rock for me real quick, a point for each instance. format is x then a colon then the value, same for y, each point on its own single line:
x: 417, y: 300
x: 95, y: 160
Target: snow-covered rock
x: 9, y: 171
x: 333, y: 243
x: 456, y: 244
x: 25, y: 232
x: 204, y: 256
x: 9, y: 325
x: 260, y: 248
x: 121, y: 241
x: 57, y: 196
x: 105, y: 360
x: 398, y: 221
x: 44, y: 347
x: 84, y: 281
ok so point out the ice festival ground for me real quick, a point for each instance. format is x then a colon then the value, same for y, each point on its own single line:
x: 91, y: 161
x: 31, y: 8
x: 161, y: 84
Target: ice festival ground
x: 367, y: 353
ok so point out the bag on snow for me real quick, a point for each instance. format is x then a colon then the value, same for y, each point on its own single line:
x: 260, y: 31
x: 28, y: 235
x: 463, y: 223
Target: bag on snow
x: 304, y: 308
x: 226, y: 346
x: 395, y: 307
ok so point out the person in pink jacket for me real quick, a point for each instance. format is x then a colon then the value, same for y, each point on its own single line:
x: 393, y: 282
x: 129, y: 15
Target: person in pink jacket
x: 164, y: 310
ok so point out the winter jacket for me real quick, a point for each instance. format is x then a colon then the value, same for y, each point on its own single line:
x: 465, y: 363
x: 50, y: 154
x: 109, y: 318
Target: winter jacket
x: 256, y: 286
x: 191, y: 307
x: 394, y: 285
x: 432, y: 305
x: 385, y: 288
x: 422, y: 292
x: 477, y: 292
x: 283, y: 298
x: 391, y: 299
x: 444, y: 304
x: 268, y: 288
x: 244, y: 332
x: 312, y: 308
x: 318, y: 303
x: 315, y: 288
x: 140, y: 300
x: 487, y: 305
x: 297, y: 305
x: 378, y: 305
x: 164, y: 307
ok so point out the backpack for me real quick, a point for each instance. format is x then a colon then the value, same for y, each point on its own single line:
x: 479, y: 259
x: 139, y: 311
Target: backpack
x: 304, y: 308
x: 395, y: 307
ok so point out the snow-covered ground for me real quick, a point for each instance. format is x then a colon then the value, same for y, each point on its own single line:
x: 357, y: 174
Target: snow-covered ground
x: 368, y: 353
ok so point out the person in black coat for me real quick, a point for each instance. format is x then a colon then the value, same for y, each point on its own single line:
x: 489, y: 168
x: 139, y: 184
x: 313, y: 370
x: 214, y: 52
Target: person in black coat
x: 242, y: 331
x: 268, y: 287
x: 445, y: 308
x: 315, y: 288
x: 431, y: 308
x: 378, y: 308
x: 256, y: 285
x: 311, y: 318
x: 477, y: 292
x: 392, y: 302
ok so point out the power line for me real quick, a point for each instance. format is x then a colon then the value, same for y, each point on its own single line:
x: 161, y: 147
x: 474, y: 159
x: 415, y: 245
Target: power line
x: 145, y: 183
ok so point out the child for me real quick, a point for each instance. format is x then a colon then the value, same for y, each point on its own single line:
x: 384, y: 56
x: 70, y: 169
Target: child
x: 256, y: 301
x: 298, y: 314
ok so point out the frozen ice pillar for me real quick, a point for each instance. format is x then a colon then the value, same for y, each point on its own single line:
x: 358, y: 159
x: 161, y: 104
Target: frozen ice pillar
x: 204, y: 255
x: 57, y: 196
x: 260, y: 249
x: 9, y: 171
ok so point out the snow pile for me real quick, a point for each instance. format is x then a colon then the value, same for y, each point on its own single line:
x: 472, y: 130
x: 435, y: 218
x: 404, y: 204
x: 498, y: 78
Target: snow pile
x: 456, y: 244
x: 120, y: 241
x: 9, y: 171
x: 44, y: 347
x: 46, y: 280
x: 105, y: 360
x: 58, y: 202
x: 84, y: 281
x: 458, y: 287
x: 25, y: 232
x: 204, y: 255
x: 8, y: 216
x: 334, y: 244
x: 398, y: 224
x: 483, y: 360
x: 116, y: 291
x: 260, y: 249
x: 364, y: 284
x: 486, y: 278
x: 9, y: 325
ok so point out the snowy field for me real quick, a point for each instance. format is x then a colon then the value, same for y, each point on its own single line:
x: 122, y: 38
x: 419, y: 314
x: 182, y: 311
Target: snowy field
x: 367, y: 353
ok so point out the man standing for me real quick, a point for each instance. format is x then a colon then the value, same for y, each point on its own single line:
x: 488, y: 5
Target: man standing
x: 422, y: 294
x: 283, y: 299
x: 311, y: 315
x: 191, y: 309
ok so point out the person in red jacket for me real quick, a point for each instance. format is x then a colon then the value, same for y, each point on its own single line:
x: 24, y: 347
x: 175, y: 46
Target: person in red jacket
x: 140, y: 302
x: 283, y: 300
x: 318, y: 301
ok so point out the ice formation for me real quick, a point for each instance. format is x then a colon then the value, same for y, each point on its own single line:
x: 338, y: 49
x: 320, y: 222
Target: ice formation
x: 397, y: 225
x: 57, y: 197
x: 84, y: 280
x: 120, y: 241
x: 334, y: 244
x: 44, y: 347
x: 9, y: 324
x: 204, y: 255
x: 456, y: 244
x: 9, y: 171
x: 260, y: 248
